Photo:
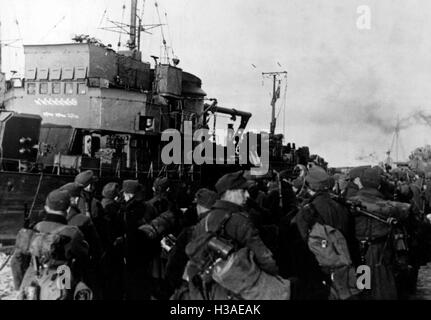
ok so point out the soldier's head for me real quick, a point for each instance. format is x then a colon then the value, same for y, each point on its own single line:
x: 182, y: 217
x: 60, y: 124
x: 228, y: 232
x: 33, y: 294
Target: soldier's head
x: 318, y: 180
x: 74, y: 190
x: 204, y: 200
x: 161, y: 185
x: 58, y: 202
x: 111, y: 191
x: 355, y: 173
x: 86, y: 180
x: 130, y: 189
x: 369, y: 178
x: 233, y: 187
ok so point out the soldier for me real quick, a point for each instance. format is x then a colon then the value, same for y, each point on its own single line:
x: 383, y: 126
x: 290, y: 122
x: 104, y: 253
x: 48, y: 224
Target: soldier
x: 228, y: 217
x: 80, y: 220
x: 160, y: 200
x: 91, y: 234
x: 351, y: 188
x: 86, y: 203
x: 374, y: 237
x: 177, y: 260
x: 112, y: 261
x: 139, y: 249
x: 74, y: 251
x: 332, y: 213
x: 167, y: 223
x: 111, y: 215
x: 301, y: 262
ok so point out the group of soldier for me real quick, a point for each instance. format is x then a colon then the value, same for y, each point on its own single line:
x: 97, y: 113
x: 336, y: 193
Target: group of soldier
x: 131, y: 243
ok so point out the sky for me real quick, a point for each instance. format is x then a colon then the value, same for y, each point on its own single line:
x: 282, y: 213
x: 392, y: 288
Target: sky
x: 346, y: 87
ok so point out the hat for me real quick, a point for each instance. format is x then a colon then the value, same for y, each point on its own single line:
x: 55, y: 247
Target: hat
x: 111, y: 190
x: 371, y: 178
x: 356, y: 172
x: 318, y: 179
x: 58, y: 200
x: 205, y: 198
x: 233, y: 181
x: 131, y: 186
x: 85, y: 178
x: 73, y: 188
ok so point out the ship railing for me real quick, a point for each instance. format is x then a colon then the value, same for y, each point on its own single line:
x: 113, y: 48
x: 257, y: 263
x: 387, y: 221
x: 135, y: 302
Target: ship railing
x: 24, y: 166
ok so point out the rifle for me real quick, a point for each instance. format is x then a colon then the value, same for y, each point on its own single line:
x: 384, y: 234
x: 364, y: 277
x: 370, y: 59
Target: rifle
x: 357, y: 206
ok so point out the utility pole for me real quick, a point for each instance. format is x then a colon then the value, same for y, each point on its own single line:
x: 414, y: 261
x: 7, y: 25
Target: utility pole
x: 0, y: 47
x: 2, y: 76
x: 397, y: 138
x: 275, y: 76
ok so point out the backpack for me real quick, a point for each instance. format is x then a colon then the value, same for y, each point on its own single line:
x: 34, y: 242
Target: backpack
x: 241, y: 275
x: 50, y: 261
x: 200, y: 258
x: 49, y: 248
x: 330, y: 248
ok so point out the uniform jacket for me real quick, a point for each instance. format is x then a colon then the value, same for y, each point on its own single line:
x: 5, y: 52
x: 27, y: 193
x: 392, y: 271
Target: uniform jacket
x: 139, y: 249
x: 239, y: 229
x: 330, y: 212
x: 86, y: 226
x: 378, y: 255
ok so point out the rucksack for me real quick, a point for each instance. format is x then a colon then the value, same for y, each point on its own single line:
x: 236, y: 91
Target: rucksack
x: 330, y: 248
x: 49, y: 248
x: 241, y: 275
x: 197, y: 249
x: 50, y: 258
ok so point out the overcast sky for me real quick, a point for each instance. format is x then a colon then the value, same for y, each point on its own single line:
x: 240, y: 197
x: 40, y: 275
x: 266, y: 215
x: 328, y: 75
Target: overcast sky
x: 346, y: 86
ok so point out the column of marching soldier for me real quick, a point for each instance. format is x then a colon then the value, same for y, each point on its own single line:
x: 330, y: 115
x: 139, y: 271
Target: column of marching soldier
x: 123, y: 246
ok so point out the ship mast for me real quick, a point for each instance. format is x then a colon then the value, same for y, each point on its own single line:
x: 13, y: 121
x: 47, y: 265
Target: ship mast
x: 133, y: 29
x: 133, y: 14
x: 396, y: 141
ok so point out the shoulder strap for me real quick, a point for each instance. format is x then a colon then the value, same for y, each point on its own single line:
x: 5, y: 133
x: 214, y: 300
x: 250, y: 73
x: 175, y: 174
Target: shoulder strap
x: 315, y: 213
x: 222, y: 224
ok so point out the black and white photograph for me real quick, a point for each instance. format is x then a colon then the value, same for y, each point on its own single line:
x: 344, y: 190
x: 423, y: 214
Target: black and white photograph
x: 180, y: 151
